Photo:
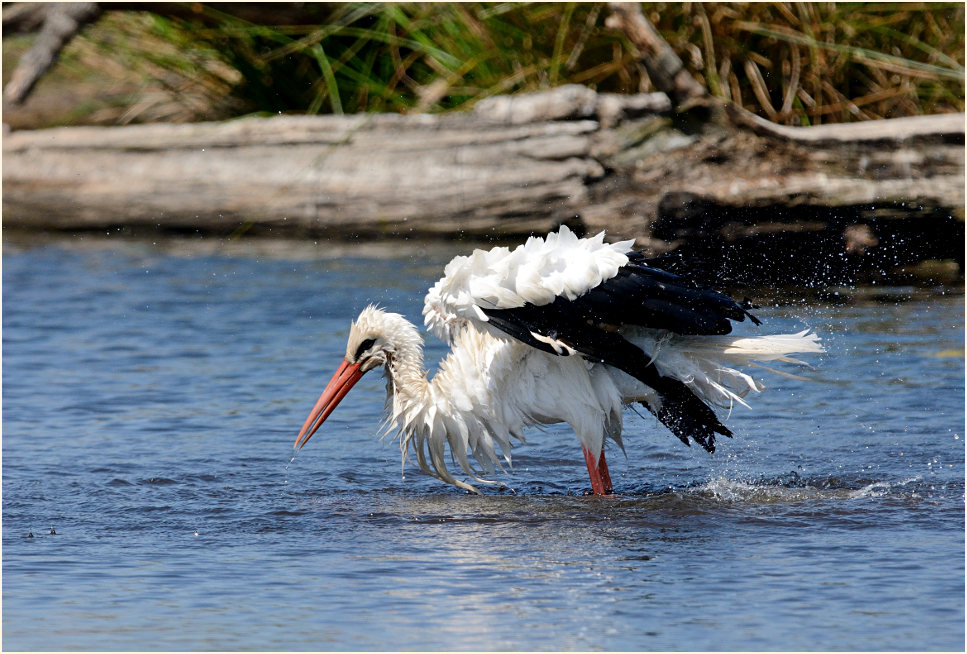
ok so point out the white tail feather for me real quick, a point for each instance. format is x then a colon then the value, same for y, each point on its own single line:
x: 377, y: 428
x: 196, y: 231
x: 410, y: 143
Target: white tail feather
x: 705, y: 362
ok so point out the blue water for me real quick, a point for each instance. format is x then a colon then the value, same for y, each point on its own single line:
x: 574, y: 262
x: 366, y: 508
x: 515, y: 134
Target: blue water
x: 152, y: 392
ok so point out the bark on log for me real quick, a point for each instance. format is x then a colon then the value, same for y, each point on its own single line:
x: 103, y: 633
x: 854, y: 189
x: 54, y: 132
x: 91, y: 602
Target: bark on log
x: 365, y: 173
x: 842, y: 199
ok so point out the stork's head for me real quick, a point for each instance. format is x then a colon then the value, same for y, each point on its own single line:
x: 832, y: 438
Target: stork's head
x: 376, y: 339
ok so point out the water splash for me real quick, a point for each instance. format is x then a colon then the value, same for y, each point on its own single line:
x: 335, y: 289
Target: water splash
x: 791, y: 487
x: 285, y: 475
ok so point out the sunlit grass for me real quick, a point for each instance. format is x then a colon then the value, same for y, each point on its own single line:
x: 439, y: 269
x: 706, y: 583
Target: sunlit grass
x: 794, y: 63
x: 804, y: 63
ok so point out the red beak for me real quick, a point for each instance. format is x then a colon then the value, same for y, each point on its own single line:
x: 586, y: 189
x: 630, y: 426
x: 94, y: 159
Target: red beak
x: 345, y: 378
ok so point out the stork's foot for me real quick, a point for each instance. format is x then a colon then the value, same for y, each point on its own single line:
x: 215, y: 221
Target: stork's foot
x: 598, y: 471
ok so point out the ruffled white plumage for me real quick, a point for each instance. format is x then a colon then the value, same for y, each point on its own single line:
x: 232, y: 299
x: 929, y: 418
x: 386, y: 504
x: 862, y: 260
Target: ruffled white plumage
x: 705, y: 363
x: 536, y: 273
x: 488, y: 390
x: 491, y: 387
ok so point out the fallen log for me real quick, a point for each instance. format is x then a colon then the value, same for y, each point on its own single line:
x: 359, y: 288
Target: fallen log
x: 371, y: 174
x: 854, y: 197
x: 819, y: 206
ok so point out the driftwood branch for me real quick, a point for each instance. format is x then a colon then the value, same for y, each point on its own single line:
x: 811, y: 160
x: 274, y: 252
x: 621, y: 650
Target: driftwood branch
x: 666, y: 70
x: 23, y: 17
x: 61, y: 22
x: 942, y: 128
x: 889, y: 195
x: 58, y: 23
x: 369, y: 174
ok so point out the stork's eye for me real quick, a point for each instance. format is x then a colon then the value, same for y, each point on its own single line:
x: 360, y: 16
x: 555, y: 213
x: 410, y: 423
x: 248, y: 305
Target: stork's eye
x: 365, y: 345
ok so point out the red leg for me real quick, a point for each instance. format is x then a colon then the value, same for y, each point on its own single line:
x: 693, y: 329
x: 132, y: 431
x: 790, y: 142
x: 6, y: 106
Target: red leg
x: 600, y: 479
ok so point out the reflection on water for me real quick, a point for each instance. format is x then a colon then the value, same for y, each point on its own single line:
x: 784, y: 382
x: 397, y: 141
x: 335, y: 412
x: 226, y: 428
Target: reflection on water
x: 152, y: 392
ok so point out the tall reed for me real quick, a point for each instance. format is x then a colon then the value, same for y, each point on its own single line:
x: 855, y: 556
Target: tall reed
x: 794, y: 63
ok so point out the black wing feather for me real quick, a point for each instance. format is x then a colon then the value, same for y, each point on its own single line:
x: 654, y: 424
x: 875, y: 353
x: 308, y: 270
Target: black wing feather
x: 644, y: 295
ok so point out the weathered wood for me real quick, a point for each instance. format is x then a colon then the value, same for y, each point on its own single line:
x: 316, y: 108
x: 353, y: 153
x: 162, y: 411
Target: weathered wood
x: 665, y: 69
x: 365, y: 173
x: 23, y: 17
x: 796, y: 205
x: 942, y: 128
x: 62, y: 21
x: 516, y: 166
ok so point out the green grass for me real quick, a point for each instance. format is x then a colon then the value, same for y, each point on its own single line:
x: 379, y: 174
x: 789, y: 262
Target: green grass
x: 802, y: 63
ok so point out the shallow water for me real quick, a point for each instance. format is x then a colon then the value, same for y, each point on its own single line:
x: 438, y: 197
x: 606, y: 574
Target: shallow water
x: 152, y: 393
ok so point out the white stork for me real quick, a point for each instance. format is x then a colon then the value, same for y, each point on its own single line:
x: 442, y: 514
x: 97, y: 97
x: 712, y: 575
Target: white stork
x: 560, y: 329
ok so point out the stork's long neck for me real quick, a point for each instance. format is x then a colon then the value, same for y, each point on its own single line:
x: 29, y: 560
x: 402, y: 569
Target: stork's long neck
x: 423, y: 411
x: 407, y: 388
x: 455, y: 408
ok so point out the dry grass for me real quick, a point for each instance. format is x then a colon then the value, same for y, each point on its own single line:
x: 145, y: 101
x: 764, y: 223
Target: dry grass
x: 802, y: 63
x: 808, y: 63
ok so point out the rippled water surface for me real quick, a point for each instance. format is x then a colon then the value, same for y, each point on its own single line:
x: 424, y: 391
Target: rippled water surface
x: 152, y: 393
